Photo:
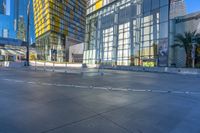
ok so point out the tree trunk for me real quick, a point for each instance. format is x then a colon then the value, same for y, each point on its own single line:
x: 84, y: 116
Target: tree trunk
x: 188, y: 56
x: 187, y: 61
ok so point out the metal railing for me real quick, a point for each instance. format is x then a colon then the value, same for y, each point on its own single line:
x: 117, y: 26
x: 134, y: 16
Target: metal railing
x: 64, y: 67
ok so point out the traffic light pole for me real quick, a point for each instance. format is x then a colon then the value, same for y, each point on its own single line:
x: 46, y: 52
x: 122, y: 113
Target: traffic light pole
x: 27, y: 38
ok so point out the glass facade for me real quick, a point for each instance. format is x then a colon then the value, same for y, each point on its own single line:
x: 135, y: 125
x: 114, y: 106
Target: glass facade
x: 58, y: 24
x: 10, y: 20
x: 2, y: 10
x: 128, y: 32
x: 6, y: 27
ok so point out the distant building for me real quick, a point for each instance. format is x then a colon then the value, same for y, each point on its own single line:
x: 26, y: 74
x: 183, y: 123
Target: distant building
x: 13, y: 16
x: 177, y: 8
x: 7, y: 19
x: 182, y: 24
x: 58, y: 24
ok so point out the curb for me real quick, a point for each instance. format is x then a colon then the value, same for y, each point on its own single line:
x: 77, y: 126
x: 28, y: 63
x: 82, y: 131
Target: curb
x: 186, y: 71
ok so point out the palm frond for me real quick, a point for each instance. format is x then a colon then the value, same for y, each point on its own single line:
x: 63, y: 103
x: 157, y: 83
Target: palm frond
x: 177, y: 45
x: 198, y: 38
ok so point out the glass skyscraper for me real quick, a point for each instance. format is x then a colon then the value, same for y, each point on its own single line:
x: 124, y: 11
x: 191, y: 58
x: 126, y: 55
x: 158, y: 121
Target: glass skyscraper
x: 14, y: 16
x: 7, y: 19
x: 58, y: 24
x: 127, y: 32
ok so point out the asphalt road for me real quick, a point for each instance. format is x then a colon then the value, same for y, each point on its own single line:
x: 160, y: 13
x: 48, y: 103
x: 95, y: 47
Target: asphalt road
x: 117, y: 102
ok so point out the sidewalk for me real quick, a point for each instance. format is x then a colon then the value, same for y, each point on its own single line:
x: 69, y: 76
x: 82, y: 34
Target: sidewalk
x: 78, y: 68
x: 63, y: 67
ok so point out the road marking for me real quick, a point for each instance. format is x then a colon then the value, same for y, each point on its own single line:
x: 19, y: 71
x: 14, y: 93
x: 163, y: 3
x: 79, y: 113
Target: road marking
x: 103, y: 88
x: 160, y: 91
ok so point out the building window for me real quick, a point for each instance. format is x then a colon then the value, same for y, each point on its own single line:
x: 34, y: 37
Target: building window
x: 124, y: 44
x: 5, y: 33
x: 107, y: 44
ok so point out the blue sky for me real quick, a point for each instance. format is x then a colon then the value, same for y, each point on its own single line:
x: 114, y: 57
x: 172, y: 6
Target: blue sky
x: 192, y: 5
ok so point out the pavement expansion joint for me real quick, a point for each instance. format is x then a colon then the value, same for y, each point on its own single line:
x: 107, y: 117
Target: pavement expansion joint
x: 70, y: 123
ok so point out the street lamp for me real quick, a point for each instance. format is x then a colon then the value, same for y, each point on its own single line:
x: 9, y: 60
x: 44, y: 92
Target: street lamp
x: 27, y: 37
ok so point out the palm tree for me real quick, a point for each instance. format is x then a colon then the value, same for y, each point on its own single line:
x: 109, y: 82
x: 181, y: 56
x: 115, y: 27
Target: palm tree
x: 185, y: 41
x: 198, y: 51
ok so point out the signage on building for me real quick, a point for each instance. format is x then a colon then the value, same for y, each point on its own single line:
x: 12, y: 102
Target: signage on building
x: 163, y: 52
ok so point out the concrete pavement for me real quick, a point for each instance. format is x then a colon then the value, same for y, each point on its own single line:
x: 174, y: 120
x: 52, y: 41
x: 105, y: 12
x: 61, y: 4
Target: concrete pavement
x: 117, y: 102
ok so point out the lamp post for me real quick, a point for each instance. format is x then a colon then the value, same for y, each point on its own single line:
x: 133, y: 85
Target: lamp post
x: 27, y: 37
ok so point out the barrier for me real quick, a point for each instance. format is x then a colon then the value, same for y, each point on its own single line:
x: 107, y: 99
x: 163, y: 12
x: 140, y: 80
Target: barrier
x: 155, y: 69
x: 83, y: 68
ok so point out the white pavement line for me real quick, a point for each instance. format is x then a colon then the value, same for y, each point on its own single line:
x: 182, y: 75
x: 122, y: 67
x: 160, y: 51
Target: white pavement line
x: 78, y: 86
x: 187, y: 92
x: 103, y: 88
x: 18, y: 81
x: 61, y: 85
x: 7, y: 79
x: 47, y: 84
x: 178, y: 92
x: 14, y: 80
x: 138, y: 90
x: 160, y: 91
x: 119, y: 89
x: 32, y: 82
x: 100, y: 88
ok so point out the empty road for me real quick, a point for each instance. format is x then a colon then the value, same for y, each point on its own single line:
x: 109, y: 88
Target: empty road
x: 117, y: 102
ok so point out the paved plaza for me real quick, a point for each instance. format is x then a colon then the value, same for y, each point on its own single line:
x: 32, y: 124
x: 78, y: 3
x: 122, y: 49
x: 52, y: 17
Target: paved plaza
x: 115, y: 102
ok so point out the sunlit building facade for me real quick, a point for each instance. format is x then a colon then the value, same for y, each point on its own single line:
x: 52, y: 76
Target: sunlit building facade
x: 127, y: 32
x: 177, y: 8
x: 58, y: 24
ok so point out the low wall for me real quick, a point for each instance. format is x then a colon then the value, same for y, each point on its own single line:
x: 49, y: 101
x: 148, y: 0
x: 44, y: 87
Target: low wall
x: 11, y: 64
x: 154, y: 69
x: 51, y: 64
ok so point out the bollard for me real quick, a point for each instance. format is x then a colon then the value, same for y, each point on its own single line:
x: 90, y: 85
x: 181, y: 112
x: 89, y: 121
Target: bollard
x: 35, y: 66
x: 100, y: 69
x: 82, y: 68
x: 43, y: 66
x: 65, y: 67
x: 53, y: 66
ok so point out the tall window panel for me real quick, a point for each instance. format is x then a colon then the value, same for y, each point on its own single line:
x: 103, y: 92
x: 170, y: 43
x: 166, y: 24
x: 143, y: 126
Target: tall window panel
x: 124, y: 44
